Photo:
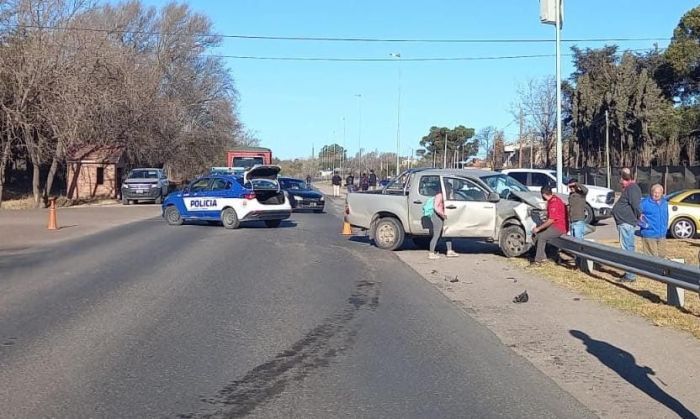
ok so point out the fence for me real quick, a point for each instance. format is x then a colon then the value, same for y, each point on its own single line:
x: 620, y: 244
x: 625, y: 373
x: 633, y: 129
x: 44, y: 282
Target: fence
x: 673, y: 178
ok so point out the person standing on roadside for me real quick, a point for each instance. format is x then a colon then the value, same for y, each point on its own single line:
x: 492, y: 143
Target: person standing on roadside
x: 372, y: 180
x: 350, y: 182
x: 577, y: 208
x: 336, y: 181
x: 654, y: 222
x: 555, y: 226
x: 308, y: 181
x: 435, y: 209
x: 627, y: 213
x: 364, y: 182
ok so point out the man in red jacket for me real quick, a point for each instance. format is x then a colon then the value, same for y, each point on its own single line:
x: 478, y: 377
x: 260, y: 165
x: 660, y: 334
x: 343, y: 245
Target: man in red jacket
x: 555, y: 226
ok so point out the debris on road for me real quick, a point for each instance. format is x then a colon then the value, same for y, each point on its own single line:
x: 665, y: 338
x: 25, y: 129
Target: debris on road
x: 521, y: 298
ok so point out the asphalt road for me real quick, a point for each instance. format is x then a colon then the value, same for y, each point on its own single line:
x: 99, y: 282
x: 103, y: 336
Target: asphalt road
x: 149, y: 320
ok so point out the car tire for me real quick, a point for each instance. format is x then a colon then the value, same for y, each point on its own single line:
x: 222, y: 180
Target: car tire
x: 125, y: 201
x: 159, y: 200
x: 172, y: 216
x: 513, y: 241
x: 683, y: 228
x: 229, y: 219
x: 273, y: 223
x: 421, y: 242
x: 589, y: 215
x: 388, y: 234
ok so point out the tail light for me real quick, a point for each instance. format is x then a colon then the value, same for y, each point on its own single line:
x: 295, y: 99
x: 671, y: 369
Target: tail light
x: 250, y: 196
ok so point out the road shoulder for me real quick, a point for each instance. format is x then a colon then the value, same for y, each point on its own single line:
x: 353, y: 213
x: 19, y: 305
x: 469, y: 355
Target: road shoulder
x: 616, y: 364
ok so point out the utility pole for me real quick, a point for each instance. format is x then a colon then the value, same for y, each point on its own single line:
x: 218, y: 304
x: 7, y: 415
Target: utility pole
x: 520, y: 151
x: 398, y: 114
x: 560, y: 163
x: 342, y: 156
x: 607, y: 146
x: 444, y: 156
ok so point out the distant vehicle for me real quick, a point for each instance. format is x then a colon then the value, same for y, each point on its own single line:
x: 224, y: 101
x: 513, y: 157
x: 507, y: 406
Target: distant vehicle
x: 684, y: 213
x: 486, y: 205
x: 246, y: 157
x: 145, y: 184
x: 301, y: 196
x: 256, y: 196
x: 600, y: 200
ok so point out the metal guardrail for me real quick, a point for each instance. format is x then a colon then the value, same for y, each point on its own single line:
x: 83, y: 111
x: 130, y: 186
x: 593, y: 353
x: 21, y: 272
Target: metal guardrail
x: 672, y: 273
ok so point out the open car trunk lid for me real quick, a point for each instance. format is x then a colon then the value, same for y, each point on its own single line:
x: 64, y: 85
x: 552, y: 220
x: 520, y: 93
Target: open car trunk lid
x: 262, y: 178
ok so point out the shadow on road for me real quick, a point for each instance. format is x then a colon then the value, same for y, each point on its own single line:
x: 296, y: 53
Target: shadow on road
x: 624, y: 364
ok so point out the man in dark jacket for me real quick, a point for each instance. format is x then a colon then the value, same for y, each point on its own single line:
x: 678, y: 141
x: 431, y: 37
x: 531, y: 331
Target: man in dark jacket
x: 372, y: 181
x: 627, y: 212
x: 577, y: 207
x: 350, y: 182
x: 336, y: 181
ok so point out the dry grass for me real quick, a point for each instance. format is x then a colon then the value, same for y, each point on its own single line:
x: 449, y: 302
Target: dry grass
x: 644, y: 297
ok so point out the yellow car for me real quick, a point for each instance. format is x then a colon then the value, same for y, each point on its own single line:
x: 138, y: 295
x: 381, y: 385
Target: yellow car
x: 684, y: 213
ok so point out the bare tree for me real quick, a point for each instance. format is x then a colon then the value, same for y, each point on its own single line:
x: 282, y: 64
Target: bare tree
x: 538, y: 100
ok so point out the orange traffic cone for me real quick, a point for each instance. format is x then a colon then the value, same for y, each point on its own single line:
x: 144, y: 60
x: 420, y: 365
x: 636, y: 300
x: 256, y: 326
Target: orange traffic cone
x: 347, y: 230
x: 53, y: 224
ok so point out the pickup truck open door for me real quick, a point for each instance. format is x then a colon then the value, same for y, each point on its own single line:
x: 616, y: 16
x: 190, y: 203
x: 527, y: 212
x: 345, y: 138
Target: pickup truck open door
x: 468, y: 209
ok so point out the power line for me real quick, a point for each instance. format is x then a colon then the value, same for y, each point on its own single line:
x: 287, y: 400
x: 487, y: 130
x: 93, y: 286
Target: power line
x: 419, y: 59
x: 341, y: 39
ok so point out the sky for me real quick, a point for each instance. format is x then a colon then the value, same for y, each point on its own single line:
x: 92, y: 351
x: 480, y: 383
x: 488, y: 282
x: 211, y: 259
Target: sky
x: 296, y: 105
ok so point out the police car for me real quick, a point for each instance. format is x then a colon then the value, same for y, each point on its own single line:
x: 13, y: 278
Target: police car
x: 255, y: 196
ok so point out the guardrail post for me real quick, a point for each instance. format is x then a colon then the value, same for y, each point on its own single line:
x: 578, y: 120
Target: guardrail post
x: 585, y: 265
x: 675, y: 296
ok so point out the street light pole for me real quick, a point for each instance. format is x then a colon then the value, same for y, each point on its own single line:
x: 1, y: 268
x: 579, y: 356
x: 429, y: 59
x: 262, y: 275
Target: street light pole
x: 398, y: 113
x: 342, y: 156
x: 560, y: 168
x: 359, y: 130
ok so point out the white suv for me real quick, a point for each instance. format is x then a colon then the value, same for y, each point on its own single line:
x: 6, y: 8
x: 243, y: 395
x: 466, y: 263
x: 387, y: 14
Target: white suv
x: 600, y: 200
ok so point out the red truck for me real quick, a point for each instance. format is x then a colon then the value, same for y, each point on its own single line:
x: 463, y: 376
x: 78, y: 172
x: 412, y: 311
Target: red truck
x: 247, y: 157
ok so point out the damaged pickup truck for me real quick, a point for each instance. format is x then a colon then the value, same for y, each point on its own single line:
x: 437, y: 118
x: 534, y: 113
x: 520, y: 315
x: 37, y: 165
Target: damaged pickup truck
x: 483, y: 205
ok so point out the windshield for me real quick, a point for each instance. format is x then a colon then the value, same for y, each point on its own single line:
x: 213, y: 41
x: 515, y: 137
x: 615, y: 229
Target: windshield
x: 247, y: 162
x: 293, y: 184
x: 504, y: 185
x: 673, y: 195
x: 143, y: 174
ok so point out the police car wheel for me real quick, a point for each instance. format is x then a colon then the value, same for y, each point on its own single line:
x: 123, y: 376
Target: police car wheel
x: 273, y: 223
x: 229, y: 218
x: 172, y: 216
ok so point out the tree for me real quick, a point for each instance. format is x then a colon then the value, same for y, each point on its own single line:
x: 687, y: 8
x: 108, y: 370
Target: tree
x: 458, y: 143
x: 331, y: 156
x: 683, y: 57
x: 538, y: 100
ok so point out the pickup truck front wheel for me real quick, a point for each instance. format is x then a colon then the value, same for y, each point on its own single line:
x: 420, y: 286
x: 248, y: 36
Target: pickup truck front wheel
x: 513, y: 241
x: 388, y: 234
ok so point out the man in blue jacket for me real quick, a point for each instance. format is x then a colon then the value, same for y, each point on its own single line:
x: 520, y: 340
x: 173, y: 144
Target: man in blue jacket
x: 654, y: 222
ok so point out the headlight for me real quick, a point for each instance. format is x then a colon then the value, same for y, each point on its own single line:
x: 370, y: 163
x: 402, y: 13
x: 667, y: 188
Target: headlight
x: 125, y: 185
x: 298, y: 198
x: 155, y: 186
x: 601, y: 199
x: 322, y: 199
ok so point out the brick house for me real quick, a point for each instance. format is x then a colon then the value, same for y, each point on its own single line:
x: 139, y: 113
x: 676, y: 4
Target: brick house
x: 95, y: 171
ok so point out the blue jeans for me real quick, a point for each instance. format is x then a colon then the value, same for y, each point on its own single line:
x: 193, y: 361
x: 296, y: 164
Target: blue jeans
x: 626, y: 233
x: 578, y: 228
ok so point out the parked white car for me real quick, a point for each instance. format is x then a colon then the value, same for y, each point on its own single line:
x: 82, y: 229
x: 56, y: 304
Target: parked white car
x: 600, y: 200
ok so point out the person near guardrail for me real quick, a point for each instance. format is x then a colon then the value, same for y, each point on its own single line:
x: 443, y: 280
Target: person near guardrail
x: 372, y: 180
x: 555, y: 226
x: 350, y: 182
x: 364, y: 182
x: 654, y: 222
x: 627, y: 212
x: 336, y: 181
x: 577, y: 208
